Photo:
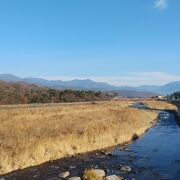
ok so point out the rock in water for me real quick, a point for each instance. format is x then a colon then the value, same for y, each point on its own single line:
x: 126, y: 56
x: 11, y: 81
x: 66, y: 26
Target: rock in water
x: 64, y: 174
x: 113, y: 177
x: 126, y: 169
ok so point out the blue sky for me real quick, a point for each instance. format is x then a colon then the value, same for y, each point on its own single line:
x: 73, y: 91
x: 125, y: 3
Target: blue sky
x: 123, y: 42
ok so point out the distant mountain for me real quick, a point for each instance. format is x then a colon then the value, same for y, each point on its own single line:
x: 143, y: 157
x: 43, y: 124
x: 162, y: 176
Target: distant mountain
x: 9, y: 78
x: 87, y: 84
x: 149, y: 88
x: 73, y: 84
x: 164, y: 90
x: 170, y: 87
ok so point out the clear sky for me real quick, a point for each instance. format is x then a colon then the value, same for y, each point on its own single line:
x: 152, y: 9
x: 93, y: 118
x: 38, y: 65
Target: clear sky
x: 123, y: 42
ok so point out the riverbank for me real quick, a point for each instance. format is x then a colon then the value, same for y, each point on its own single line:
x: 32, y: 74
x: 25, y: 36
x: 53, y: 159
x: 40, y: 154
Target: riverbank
x: 32, y: 136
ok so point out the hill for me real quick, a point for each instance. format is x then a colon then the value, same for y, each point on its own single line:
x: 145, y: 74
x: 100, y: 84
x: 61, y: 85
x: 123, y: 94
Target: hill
x: 22, y: 93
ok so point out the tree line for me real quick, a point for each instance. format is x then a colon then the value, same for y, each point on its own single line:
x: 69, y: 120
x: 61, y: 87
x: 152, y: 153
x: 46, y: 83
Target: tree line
x: 20, y: 93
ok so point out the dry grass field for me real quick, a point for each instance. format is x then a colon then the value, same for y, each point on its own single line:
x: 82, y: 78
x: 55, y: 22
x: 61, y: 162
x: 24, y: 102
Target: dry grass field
x: 160, y: 105
x: 31, y: 136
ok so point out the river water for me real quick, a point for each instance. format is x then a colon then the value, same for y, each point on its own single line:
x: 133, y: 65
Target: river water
x: 155, y: 156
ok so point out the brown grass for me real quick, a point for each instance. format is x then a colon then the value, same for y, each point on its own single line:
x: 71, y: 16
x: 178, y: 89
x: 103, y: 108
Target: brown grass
x: 160, y: 105
x: 30, y: 136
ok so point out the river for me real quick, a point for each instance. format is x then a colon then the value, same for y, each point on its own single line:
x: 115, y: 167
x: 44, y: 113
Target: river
x: 157, y: 154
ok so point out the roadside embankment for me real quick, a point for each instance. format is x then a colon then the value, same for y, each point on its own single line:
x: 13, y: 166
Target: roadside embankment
x: 31, y: 136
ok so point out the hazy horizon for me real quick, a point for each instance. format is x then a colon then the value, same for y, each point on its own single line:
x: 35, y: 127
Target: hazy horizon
x: 95, y: 79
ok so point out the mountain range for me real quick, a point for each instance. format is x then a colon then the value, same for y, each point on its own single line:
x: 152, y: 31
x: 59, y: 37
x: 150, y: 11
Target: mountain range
x: 88, y: 84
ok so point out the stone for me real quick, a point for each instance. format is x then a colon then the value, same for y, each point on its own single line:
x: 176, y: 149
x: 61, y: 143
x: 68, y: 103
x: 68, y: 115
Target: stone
x: 126, y: 169
x: 99, y: 172
x: 113, y: 177
x: 55, y: 167
x: 64, y: 174
x: 74, y: 178
x: 128, y: 149
x: 72, y: 167
x: 36, y: 176
x: 106, y: 153
x: 102, y: 151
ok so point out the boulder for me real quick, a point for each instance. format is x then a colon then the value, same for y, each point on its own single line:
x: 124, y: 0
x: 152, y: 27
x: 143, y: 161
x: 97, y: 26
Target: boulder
x: 64, y: 174
x: 126, y: 169
x: 113, y: 177
x: 99, y: 172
